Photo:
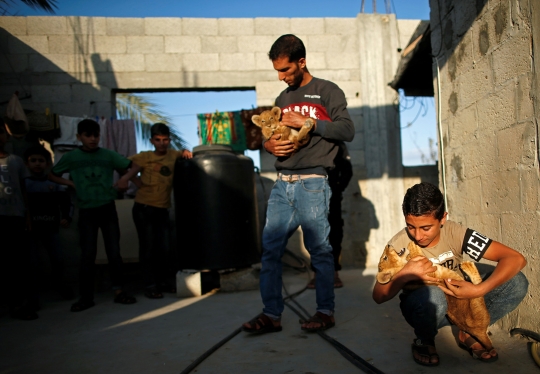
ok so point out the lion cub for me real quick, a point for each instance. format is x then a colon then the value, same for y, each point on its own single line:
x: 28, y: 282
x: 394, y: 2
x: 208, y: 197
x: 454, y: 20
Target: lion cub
x: 469, y: 315
x: 269, y: 123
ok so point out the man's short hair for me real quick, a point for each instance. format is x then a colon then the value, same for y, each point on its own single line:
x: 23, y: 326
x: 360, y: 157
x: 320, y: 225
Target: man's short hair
x: 422, y: 199
x: 37, y: 150
x: 160, y: 129
x: 88, y: 127
x: 288, y: 45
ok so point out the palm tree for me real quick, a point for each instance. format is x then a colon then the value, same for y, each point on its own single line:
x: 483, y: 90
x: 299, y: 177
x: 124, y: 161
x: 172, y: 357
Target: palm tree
x: 46, y: 5
x: 145, y: 113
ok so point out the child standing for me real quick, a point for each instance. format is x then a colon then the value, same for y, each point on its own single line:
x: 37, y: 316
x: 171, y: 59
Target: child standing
x: 91, y: 169
x: 50, y: 207
x: 151, y: 209
x: 14, y: 220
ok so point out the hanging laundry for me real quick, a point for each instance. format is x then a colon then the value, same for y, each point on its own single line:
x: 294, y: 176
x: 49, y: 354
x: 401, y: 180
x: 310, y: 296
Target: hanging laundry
x: 254, y: 137
x: 222, y: 128
x: 121, y: 136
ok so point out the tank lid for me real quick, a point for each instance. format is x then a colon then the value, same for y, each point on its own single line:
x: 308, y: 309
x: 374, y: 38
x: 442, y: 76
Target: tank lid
x: 212, y: 148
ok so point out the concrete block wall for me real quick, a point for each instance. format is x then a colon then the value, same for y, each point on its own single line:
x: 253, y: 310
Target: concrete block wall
x: 489, y: 105
x: 71, y: 65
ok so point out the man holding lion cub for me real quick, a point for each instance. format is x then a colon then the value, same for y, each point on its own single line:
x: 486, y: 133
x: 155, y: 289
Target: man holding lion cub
x: 443, y: 242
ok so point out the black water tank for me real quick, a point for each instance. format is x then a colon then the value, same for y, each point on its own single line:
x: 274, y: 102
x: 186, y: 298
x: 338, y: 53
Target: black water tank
x: 216, y: 210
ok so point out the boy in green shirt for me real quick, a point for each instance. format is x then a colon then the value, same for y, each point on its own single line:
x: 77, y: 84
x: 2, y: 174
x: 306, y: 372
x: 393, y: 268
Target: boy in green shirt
x: 91, y: 171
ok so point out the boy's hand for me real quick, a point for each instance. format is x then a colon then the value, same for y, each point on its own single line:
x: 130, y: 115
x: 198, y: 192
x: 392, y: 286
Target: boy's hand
x: 122, y: 184
x: 64, y: 223
x: 461, y: 289
x: 417, y: 268
x: 187, y: 154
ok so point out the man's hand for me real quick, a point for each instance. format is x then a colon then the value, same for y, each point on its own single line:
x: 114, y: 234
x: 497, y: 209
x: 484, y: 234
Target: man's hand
x: 294, y: 120
x: 417, y: 269
x: 187, y: 154
x: 279, y: 148
x: 461, y: 289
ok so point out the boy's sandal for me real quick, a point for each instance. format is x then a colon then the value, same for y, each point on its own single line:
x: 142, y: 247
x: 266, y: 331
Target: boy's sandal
x: 337, y: 282
x: 477, y: 353
x: 325, y: 322
x: 153, y: 293
x: 261, y: 325
x: 81, y: 305
x: 425, y: 350
x: 124, y: 298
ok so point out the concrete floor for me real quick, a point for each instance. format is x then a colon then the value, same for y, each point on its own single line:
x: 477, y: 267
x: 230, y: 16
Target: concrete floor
x: 167, y: 335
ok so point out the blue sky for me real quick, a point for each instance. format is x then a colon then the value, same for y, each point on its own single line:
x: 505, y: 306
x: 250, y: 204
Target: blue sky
x: 182, y: 107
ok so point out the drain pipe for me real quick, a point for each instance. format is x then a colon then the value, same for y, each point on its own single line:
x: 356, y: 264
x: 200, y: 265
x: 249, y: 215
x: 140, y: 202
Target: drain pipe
x: 441, y: 144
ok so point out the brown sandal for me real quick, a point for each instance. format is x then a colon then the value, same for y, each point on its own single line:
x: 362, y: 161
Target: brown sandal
x: 324, y: 321
x: 261, y: 325
x: 477, y: 353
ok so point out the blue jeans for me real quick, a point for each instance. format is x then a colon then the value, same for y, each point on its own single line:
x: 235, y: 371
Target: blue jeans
x: 90, y: 221
x: 152, y: 225
x: 425, y: 308
x: 303, y: 203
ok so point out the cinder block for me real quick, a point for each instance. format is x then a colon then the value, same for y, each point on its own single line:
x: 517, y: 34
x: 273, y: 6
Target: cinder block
x: 262, y: 62
x: 49, y: 63
x: 316, y: 60
x: 333, y: 75
x: 86, y: 25
x: 145, y: 44
x: 200, y: 62
x: 199, y: 26
x: 219, y: 44
x: 307, y: 26
x: 126, y: 63
x: 236, y: 26
x: 14, y: 25
x: 479, y: 83
x: 108, y: 44
x: 518, y: 232
x: 342, y: 26
x: 46, y: 25
x: 524, y: 99
x: 65, y: 44
x: 350, y: 89
x: 500, y: 192
x: 51, y: 94
x: 255, y: 43
x: 183, y: 44
x: 269, y: 90
x: 464, y: 128
x: 125, y: 26
x: 272, y: 26
x: 85, y: 64
x: 342, y: 60
x: 333, y: 44
x: 163, y: 26
x: 530, y: 190
x: 28, y: 44
x: 236, y: 61
x: 512, y: 59
x: 14, y: 63
x: 165, y: 62
x: 229, y: 78
x: 498, y: 110
x: 81, y: 93
x: 517, y: 146
x: 188, y: 283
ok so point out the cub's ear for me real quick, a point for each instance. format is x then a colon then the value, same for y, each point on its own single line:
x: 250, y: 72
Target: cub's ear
x: 276, y: 111
x: 256, y: 119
